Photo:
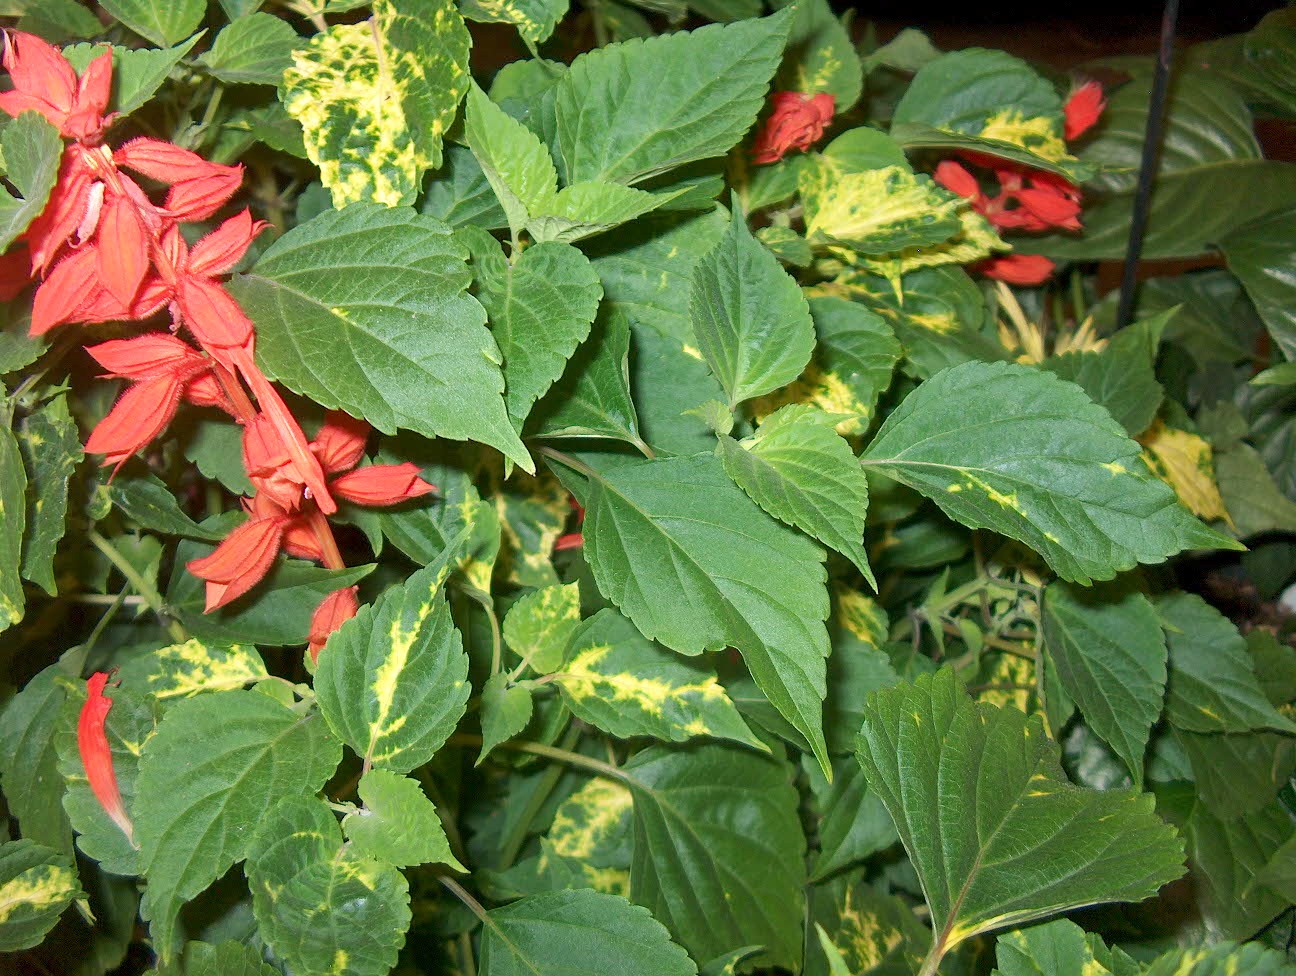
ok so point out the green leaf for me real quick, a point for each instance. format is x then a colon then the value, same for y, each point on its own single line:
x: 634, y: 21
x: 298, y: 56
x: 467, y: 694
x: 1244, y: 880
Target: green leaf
x: 398, y: 823
x: 199, y: 802
x: 996, y: 832
x: 752, y: 323
x: 149, y: 502
x: 1122, y: 375
x: 991, y: 96
x: 461, y: 194
x: 32, y: 149
x: 592, y: 398
x: 657, y: 529
x: 505, y: 711
x: 513, y: 160
x: 138, y: 73
x: 1253, y: 499
x: 820, y: 56
x: 621, y: 682
x: 1213, y: 685
x: 1059, y: 948
x: 1262, y: 256
x: 253, y: 50
x: 1239, y: 773
x: 1007, y: 447
x: 1223, y: 959
x: 917, y: 136
x: 131, y: 722
x: 585, y: 209
x: 321, y: 906
x: 13, y: 519
x: 227, y: 959
x: 1109, y: 654
x: 1229, y: 857
x: 164, y: 22
x: 51, y: 448
x: 855, y: 824
x: 535, y: 20
x: 376, y: 98
x: 33, y: 786
x: 57, y: 20
x: 798, y: 469
x: 440, y: 380
x: 36, y: 885
x: 629, y: 111
x: 539, y: 625
x: 718, y: 850
x: 192, y: 667
x: 577, y: 933
x: 278, y: 613
x: 393, y: 681
x: 540, y: 307
x: 430, y: 530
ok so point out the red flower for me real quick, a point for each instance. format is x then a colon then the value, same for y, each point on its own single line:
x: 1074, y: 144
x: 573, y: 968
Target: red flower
x: 1083, y: 108
x: 241, y: 561
x: 335, y: 610
x: 796, y: 122
x: 282, y: 514
x: 96, y: 754
x: 1018, y: 269
x: 572, y: 540
x: 44, y: 82
x: 165, y: 370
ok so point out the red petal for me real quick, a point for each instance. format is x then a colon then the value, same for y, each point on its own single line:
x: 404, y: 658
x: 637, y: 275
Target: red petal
x: 62, y: 214
x: 95, y: 87
x: 204, y: 390
x: 301, y: 541
x: 381, y: 484
x: 956, y: 179
x: 241, y: 561
x: 140, y: 415
x: 123, y: 249
x: 220, y: 250
x: 15, y: 273
x: 572, y: 540
x: 96, y: 754
x: 167, y: 163
x: 1083, y: 109
x: 1052, y: 209
x: 213, y: 316
x: 39, y: 69
x: 71, y: 285
x: 16, y: 102
x: 199, y: 199
x: 796, y: 122
x: 148, y: 355
x: 340, y: 443
x: 335, y: 610
x: 268, y: 464
x: 1018, y: 269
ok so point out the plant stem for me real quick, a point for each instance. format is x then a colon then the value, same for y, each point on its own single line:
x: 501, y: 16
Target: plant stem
x: 568, y: 461
x: 142, y: 586
x: 460, y: 892
x: 324, y: 536
x: 488, y: 605
x: 551, y: 752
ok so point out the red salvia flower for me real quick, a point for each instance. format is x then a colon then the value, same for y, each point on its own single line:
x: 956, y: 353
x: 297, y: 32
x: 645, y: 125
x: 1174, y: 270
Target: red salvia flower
x: 96, y: 754
x: 1083, y: 108
x: 1018, y: 269
x: 44, y: 82
x: 241, y: 561
x: 335, y: 610
x: 281, y: 514
x: 795, y: 122
x: 572, y: 540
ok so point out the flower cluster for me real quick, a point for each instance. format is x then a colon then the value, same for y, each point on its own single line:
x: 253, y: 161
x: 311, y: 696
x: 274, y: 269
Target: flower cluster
x: 796, y: 121
x: 103, y: 250
x: 1028, y: 199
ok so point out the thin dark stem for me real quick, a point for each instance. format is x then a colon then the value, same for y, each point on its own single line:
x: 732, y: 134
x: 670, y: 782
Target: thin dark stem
x: 1148, y: 163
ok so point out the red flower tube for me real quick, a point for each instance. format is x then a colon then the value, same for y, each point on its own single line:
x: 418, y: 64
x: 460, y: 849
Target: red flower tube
x: 96, y: 754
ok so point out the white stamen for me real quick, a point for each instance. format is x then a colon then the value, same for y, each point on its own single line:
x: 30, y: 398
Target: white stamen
x: 94, y: 204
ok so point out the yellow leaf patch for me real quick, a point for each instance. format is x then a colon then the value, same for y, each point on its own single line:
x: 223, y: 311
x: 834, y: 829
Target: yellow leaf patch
x: 1186, y: 463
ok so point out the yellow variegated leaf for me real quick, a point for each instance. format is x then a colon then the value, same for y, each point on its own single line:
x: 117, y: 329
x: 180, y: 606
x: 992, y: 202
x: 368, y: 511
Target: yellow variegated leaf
x: 182, y: 670
x: 592, y: 827
x: 538, y: 625
x: 876, y: 211
x: 36, y: 885
x: 532, y: 512
x: 1186, y: 463
x: 817, y: 387
x: 1007, y: 679
x: 860, y: 614
x: 975, y: 240
x: 534, y: 19
x: 1040, y: 134
x: 877, y: 933
x: 375, y: 99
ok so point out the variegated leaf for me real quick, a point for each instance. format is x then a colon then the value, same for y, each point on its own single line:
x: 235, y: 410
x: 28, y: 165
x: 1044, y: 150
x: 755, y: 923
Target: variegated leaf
x: 186, y: 669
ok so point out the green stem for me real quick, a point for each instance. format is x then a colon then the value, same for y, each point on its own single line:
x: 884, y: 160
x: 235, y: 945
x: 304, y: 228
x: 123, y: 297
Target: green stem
x: 460, y: 892
x: 488, y: 605
x: 142, y: 586
x: 568, y: 461
x: 932, y: 963
x: 551, y: 752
